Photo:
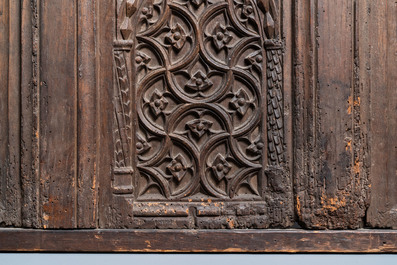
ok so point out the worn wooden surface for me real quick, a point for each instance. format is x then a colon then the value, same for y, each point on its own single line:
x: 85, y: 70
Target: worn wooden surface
x: 55, y: 151
x: 57, y: 96
x: 327, y: 120
x: 87, y: 176
x: 10, y: 197
x: 331, y: 133
x: 255, y: 241
x: 380, y: 76
x: 29, y: 177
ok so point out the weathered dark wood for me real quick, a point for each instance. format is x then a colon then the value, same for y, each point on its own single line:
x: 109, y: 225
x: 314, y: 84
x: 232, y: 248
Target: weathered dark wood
x: 4, y: 156
x: 30, y: 114
x: 331, y: 179
x: 113, y: 211
x: 100, y: 126
x: 255, y: 241
x: 59, y: 110
x: 10, y: 190
x: 303, y: 106
x: 58, y: 113
x: 288, y: 68
x: 380, y: 73
x: 87, y: 181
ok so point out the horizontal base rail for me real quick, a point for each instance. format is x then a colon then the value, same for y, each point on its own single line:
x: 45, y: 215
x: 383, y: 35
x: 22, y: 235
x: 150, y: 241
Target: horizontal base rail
x: 254, y: 241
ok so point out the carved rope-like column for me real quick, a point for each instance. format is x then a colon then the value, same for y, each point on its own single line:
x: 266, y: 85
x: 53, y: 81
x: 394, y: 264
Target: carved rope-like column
x: 274, y: 78
x: 275, y: 121
x: 278, y: 179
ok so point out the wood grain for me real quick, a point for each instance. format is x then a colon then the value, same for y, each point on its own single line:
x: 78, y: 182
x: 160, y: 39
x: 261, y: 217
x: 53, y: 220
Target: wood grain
x: 109, y: 216
x: 226, y: 241
x: 331, y: 180
x: 87, y: 182
x: 380, y: 72
x: 30, y: 52
x: 10, y: 189
x: 328, y: 124
x: 58, y: 113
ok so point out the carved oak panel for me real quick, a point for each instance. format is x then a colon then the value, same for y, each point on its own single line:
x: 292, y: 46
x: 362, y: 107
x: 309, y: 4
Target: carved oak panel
x: 198, y: 113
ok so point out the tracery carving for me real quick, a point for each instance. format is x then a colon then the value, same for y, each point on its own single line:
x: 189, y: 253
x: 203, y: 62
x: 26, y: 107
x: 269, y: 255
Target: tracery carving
x: 204, y: 72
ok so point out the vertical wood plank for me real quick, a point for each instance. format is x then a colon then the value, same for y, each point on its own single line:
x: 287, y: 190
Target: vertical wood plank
x: 114, y: 210
x: 332, y: 193
x: 30, y: 113
x: 340, y: 200
x: 13, y: 182
x: 58, y: 112
x: 303, y: 79
x: 10, y: 214
x: 287, y: 37
x: 106, y: 10
x: 382, y: 84
x: 87, y: 124
x: 4, y: 159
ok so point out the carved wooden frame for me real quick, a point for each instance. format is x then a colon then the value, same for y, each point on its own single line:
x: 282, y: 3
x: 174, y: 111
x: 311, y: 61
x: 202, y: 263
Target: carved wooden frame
x: 180, y: 133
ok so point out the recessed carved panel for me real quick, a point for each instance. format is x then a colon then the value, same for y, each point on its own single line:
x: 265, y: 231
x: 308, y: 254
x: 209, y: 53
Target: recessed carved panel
x: 198, y: 108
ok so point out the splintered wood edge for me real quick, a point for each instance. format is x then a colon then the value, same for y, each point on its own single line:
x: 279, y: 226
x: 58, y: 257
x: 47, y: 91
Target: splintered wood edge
x: 225, y: 241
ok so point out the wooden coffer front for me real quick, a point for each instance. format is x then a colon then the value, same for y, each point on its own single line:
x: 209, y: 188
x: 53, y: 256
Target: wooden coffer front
x: 198, y: 114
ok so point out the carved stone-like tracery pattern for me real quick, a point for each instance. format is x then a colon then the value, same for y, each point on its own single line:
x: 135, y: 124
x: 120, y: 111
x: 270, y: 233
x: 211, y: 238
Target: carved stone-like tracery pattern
x: 202, y: 103
x: 200, y: 75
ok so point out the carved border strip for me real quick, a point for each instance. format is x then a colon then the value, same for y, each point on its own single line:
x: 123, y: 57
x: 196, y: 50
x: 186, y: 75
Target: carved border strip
x: 123, y: 170
x: 122, y: 179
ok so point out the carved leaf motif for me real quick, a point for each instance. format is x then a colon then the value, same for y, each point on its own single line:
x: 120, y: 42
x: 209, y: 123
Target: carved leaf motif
x: 176, y: 36
x: 248, y: 10
x: 199, y: 126
x: 177, y: 167
x: 196, y: 3
x: 255, y: 60
x: 255, y: 147
x: 123, y: 110
x: 118, y: 150
x: 142, y: 146
x: 149, y: 14
x: 142, y: 59
x: 147, y: 11
x: 220, y: 167
x: 221, y: 36
x: 247, y: 15
x: 199, y: 82
x: 240, y: 102
x: 158, y: 103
